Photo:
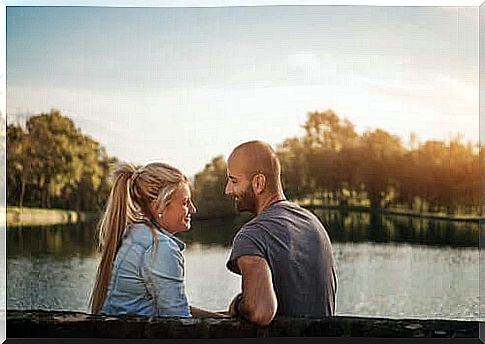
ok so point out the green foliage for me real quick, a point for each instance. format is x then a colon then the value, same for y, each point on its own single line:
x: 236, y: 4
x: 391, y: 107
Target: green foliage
x: 209, y: 186
x: 51, y: 163
x: 333, y: 165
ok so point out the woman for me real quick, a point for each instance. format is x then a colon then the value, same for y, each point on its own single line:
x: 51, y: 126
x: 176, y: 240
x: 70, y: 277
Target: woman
x: 142, y: 267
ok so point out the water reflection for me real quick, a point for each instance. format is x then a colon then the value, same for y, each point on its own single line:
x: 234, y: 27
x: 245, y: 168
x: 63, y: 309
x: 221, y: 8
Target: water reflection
x: 389, y: 266
x: 56, y: 241
x: 61, y: 241
x: 377, y: 280
x: 214, y: 232
x: 67, y: 240
x: 363, y: 227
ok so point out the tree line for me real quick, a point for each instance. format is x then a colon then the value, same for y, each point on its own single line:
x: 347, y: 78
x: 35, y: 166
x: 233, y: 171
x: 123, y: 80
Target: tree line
x: 332, y: 164
x: 52, y: 164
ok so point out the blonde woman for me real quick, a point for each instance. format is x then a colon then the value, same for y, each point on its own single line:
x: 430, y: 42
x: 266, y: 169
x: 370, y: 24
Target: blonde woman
x: 142, y: 266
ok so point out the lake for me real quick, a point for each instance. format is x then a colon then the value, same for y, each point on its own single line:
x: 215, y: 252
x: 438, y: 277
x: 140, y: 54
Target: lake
x: 388, y: 266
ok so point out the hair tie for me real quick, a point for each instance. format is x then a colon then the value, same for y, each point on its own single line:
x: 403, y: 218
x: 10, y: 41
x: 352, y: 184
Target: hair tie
x: 135, y: 175
x: 133, y: 178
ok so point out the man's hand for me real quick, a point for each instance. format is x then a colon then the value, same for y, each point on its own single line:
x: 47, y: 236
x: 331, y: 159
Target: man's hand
x: 258, y: 303
x: 232, y: 307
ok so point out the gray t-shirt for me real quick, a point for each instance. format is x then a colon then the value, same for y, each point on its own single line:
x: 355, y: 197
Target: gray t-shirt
x: 299, y: 253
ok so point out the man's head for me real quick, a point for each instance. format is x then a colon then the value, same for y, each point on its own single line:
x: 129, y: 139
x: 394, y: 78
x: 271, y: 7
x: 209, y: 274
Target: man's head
x: 253, y: 172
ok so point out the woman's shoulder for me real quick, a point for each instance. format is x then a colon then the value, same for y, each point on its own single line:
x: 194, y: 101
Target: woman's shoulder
x: 139, y: 233
x: 170, y: 243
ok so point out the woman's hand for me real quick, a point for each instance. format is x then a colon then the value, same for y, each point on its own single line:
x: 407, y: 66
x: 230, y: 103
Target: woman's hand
x: 201, y: 313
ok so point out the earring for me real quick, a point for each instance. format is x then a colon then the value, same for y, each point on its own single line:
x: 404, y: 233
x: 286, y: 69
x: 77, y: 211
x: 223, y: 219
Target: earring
x: 160, y: 215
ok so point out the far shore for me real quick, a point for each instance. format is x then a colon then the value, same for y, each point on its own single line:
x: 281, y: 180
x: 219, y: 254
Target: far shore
x: 398, y: 211
x: 16, y: 216
x: 368, y: 209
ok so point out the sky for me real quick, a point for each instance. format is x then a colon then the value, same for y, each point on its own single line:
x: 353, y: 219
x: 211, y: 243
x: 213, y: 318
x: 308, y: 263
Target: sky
x: 183, y: 85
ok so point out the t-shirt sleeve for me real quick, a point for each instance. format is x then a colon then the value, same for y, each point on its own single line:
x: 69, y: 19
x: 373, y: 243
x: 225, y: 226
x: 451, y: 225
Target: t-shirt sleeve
x: 246, y: 243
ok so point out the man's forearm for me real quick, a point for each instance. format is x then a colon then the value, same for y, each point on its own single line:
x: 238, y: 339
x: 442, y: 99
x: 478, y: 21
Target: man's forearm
x: 257, y: 302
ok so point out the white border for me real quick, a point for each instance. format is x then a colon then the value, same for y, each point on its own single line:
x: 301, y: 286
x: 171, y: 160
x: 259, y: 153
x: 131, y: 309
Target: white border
x: 158, y: 3
x: 229, y: 3
x: 3, y: 174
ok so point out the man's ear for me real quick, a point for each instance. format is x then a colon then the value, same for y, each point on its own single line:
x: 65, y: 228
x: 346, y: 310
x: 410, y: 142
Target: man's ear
x: 259, y: 183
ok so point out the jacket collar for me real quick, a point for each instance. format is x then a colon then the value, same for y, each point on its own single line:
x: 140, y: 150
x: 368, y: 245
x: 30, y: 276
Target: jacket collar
x: 163, y: 231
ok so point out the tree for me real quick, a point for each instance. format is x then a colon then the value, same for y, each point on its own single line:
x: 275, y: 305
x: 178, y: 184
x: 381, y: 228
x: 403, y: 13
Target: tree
x: 331, y: 145
x: 381, y: 153
x: 331, y: 161
x: 20, y: 162
x: 52, y: 163
x: 294, y: 168
x: 209, y: 187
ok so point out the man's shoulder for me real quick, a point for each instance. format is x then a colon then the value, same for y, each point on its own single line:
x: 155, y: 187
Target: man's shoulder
x: 250, y: 228
x: 284, y: 210
x: 279, y: 215
x: 268, y: 219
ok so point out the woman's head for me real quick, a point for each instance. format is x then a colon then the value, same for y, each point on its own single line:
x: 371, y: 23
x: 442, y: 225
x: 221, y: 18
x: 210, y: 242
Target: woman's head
x: 161, y: 193
x: 175, y: 215
x: 156, y: 192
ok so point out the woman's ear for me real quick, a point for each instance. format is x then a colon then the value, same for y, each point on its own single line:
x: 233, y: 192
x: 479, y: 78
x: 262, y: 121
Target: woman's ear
x: 154, y: 208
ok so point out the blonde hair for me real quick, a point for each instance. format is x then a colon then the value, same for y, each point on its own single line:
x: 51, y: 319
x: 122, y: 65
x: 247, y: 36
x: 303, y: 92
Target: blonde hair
x: 134, y: 189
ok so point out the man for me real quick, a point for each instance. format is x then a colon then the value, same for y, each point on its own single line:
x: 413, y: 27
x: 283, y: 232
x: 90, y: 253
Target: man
x: 284, y: 253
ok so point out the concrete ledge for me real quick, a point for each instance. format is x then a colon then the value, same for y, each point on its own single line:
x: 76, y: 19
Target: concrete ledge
x: 56, y: 324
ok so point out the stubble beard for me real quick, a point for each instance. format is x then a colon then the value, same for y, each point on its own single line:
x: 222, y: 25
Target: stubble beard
x: 246, y: 201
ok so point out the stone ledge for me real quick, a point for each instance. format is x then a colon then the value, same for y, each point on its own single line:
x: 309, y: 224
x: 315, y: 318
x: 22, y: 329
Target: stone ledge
x: 57, y: 324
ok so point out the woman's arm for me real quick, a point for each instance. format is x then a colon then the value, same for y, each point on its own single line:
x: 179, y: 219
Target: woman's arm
x: 201, y: 313
x: 163, y: 274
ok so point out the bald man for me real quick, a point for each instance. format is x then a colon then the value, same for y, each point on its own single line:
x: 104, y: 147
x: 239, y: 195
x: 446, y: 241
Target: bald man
x: 284, y: 253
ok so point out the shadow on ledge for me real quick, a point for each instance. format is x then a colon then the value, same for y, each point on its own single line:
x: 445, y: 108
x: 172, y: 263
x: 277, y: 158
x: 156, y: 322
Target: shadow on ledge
x: 57, y: 324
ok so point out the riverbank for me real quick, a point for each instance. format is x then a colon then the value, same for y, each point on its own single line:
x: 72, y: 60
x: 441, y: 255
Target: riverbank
x: 59, y: 324
x: 16, y: 216
x: 394, y: 211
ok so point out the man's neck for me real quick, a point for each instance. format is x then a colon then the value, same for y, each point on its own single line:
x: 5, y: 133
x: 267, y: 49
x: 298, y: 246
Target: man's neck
x: 269, y: 201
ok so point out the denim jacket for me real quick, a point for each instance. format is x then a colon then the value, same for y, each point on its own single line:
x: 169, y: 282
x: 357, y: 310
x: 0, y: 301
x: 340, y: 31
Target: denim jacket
x: 147, y: 279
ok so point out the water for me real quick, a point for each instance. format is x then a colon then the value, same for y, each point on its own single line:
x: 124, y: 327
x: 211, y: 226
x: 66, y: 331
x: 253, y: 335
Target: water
x: 387, y: 266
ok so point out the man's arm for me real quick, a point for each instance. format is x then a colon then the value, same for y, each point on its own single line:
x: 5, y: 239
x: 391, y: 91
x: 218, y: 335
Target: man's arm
x: 258, y: 303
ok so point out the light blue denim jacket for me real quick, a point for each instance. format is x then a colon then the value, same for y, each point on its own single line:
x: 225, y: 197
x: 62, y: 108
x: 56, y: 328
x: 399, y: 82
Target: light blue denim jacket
x: 147, y: 279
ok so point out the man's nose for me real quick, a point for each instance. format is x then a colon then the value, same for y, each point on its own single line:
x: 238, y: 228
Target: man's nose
x: 227, y: 190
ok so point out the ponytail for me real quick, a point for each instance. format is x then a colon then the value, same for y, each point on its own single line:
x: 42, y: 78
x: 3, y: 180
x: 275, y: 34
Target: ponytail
x: 110, y: 231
